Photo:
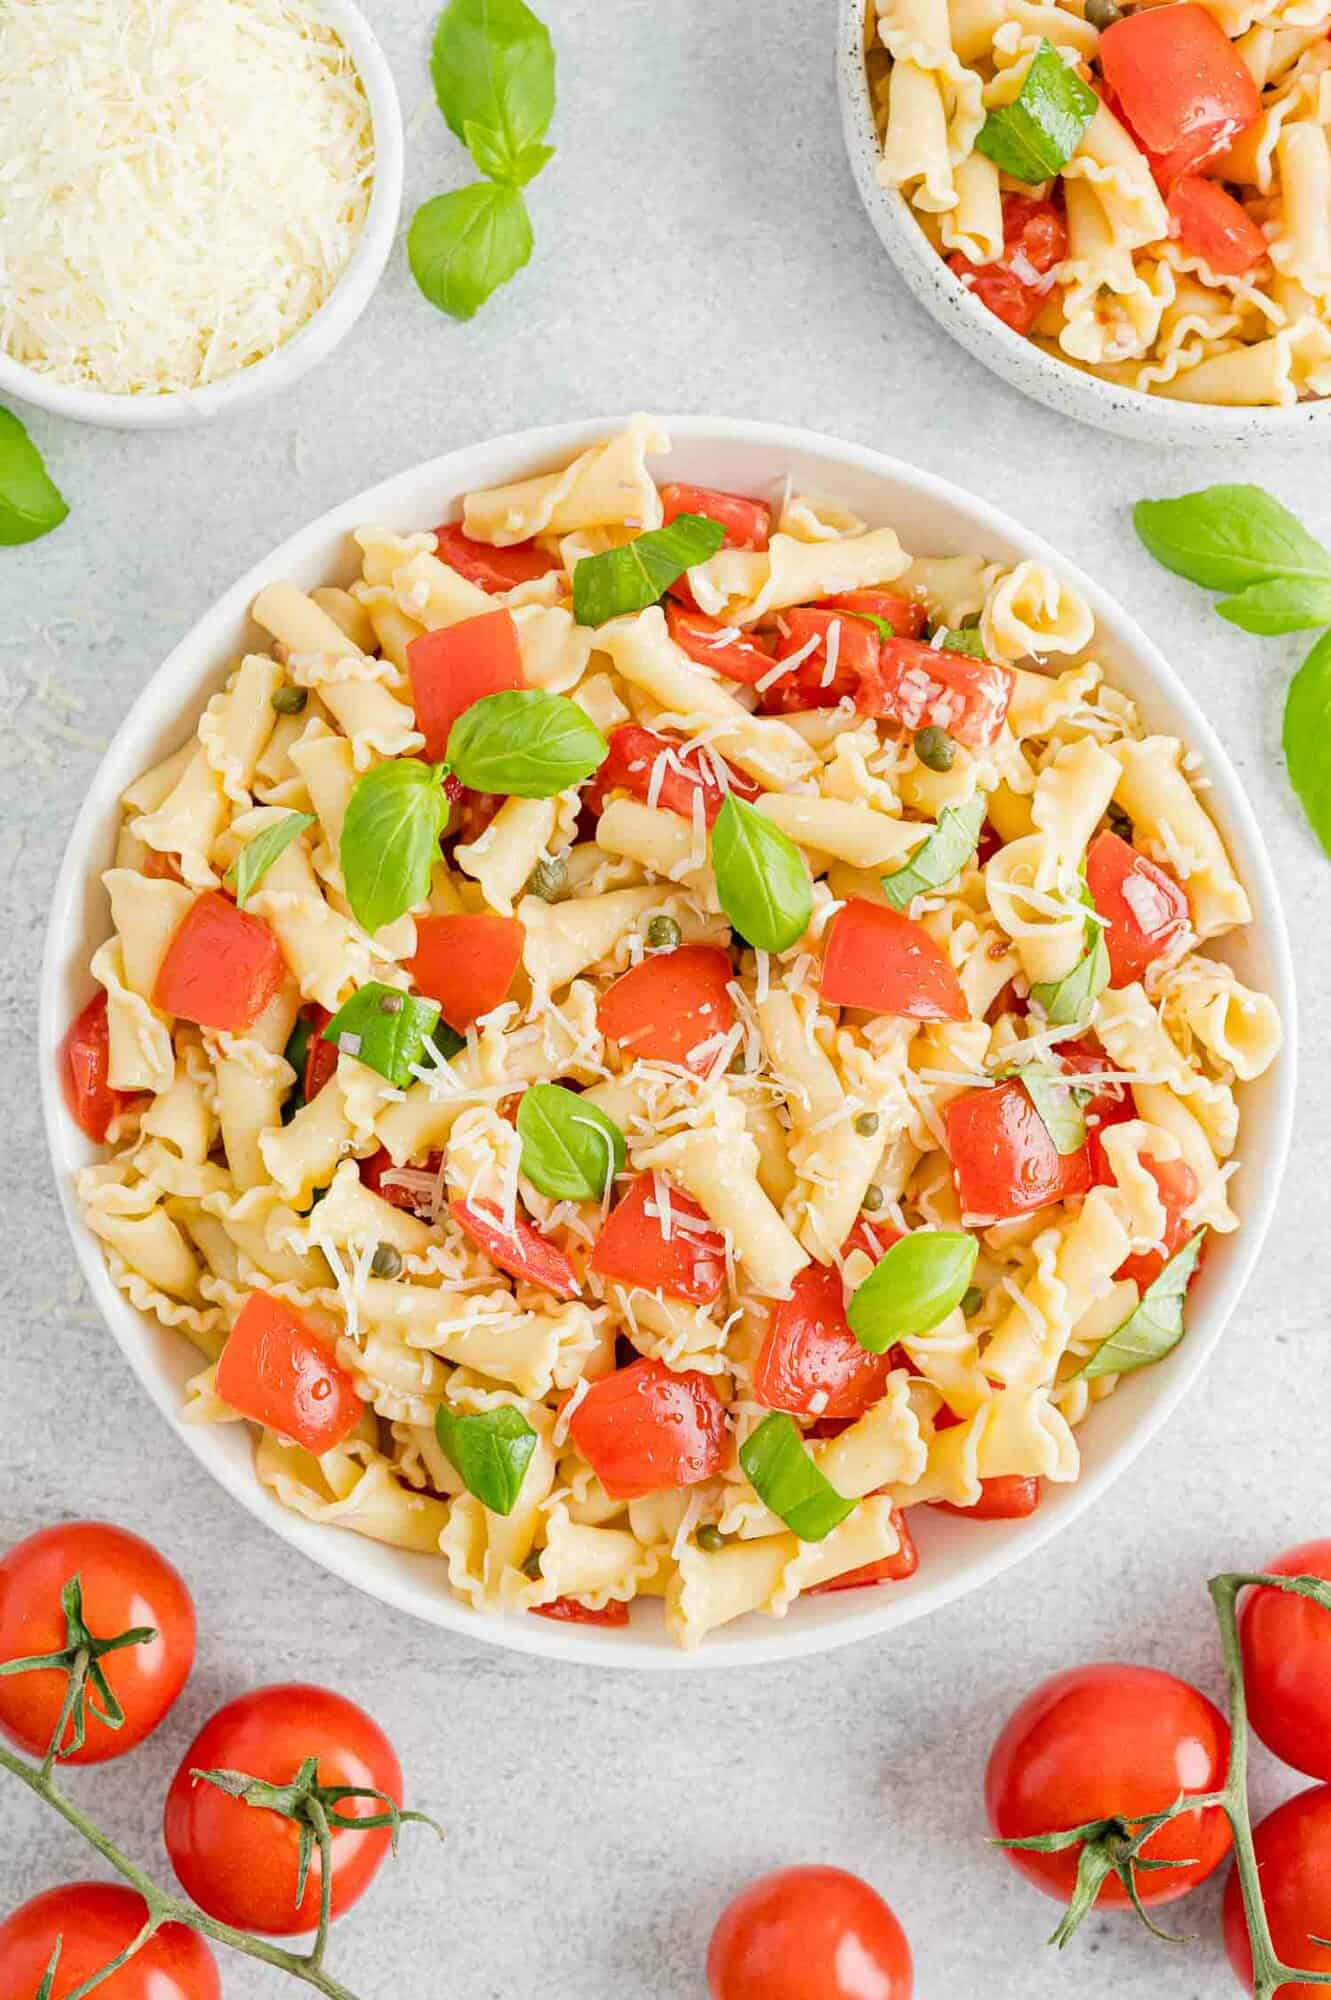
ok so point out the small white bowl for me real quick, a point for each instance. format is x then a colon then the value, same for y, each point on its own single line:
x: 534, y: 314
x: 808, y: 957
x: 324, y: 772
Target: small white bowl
x: 319, y: 336
x: 1071, y: 391
x: 931, y: 516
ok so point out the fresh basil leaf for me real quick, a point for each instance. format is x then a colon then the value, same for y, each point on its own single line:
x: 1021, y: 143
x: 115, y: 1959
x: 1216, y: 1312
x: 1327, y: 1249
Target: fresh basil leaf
x: 761, y: 878
x: 463, y: 246
x: 630, y: 578
x: 390, y: 839
x: 1306, y: 734
x: 494, y: 71
x: 525, y: 744
x: 1059, y: 1104
x: 1226, y: 537
x: 1070, y: 999
x: 258, y: 855
x: 916, y: 1283
x: 1285, y: 604
x: 490, y: 152
x: 387, y: 1030
x: 964, y: 639
x: 570, y: 1150
x: 490, y: 1452
x: 1156, y: 1327
x: 30, y: 503
x: 940, y: 856
x: 786, y: 1479
x: 1035, y: 136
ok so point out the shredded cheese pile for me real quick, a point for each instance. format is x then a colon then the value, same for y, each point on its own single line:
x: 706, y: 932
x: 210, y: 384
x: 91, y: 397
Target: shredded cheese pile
x: 182, y: 184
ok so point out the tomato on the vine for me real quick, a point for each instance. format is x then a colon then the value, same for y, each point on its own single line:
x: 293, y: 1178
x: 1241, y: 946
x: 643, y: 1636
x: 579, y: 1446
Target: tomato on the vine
x: 239, y: 1861
x: 1109, y: 1741
x: 1293, y: 1847
x: 1287, y: 1663
x: 809, y: 1934
x: 94, y: 1921
x: 125, y: 1584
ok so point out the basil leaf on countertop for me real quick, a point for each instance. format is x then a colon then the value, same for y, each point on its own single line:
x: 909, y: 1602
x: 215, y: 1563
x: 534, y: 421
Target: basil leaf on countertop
x: 1035, y: 136
x: 786, y: 1479
x: 635, y: 576
x: 463, y: 246
x: 524, y: 743
x: 940, y: 856
x: 257, y: 856
x: 1306, y: 734
x: 570, y: 1150
x: 1156, y: 1326
x: 1284, y: 604
x: 761, y: 878
x: 493, y: 67
x: 387, y: 1030
x: 30, y: 502
x: 390, y: 839
x: 916, y: 1283
x: 490, y: 1452
x: 1227, y: 537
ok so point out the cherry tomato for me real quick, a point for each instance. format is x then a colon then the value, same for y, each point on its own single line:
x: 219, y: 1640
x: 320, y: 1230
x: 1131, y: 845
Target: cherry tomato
x: 568, y: 1611
x: 810, y: 1353
x: 747, y: 523
x: 832, y: 655
x: 634, y: 1249
x: 458, y: 665
x: 1176, y: 1185
x: 809, y: 1934
x: 1012, y: 1496
x: 279, y: 1371
x: 239, y: 1862
x: 1209, y: 222
x: 1179, y: 84
x: 645, y: 1427
x: 887, y: 1569
x: 1004, y: 1161
x: 85, y: 1062
x: 521, y: 1251
x: 1287, y: 1664
x: 320, y: 1056
x: 466, y: 962
x: 1016, y: 286
x: 670, y: 1006
x: 1109, y: 1740
x: 916, y: 684
x: 416, y: 1201
x: 1143, y: 907
x: 1293, y: 1846
x: 495, y: 570
x: 221, y: 968
x: 878, y: 959
x: 906, y: 615
x: 125, y: 1584
x: 737, y: 655
x: 94, y: 1921
x: 660, y: 771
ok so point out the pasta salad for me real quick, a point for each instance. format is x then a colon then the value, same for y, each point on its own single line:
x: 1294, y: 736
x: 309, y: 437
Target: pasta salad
x: 656, y: 1032
x: 1143, y: 190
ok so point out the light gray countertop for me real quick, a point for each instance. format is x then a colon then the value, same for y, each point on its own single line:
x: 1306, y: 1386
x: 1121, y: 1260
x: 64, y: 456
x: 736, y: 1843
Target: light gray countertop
x: 699, y: 247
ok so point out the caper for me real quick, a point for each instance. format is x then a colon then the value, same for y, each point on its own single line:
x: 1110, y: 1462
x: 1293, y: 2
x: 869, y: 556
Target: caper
x: 290, y: 700
x: 1102, y: 14
x: 664, y: 934
x: 873, y: 1197
x: 532, y: 1566
x: 935, y: 749
x: 548, y: 879
x: 867, y: 1124
x: 973, y: 1300
x: 391, y: 1003
x: 710, y: 1538
x: 386, y: 1262
x: 1119, y: 822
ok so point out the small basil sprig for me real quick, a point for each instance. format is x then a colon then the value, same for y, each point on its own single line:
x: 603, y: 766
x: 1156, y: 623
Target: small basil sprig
x: 390, y: 839
x: 494, y: 77
x: 30, y: 503
x: 258, y: 855
x: 570, y: 1150
x: 490, y: 1452
x: 524, y: 743
x: 916, y: 1283
x: 787, y: 1481
x: 1242, y: 540
x: 761, y: 878
x: 1059, y: 1103
x: 388, y: 1030
x: 1156, y: 1326
x: 940, y: 856
x: 630, y: 578
x: 1035, y: 136
x: 1070, y: 999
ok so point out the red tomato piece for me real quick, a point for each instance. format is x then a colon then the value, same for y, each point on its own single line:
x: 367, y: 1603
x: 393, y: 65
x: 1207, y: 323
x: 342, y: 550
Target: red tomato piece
x: 126, y: 1583
x: 1003, y: 1159
x: 1102, y: 1741
x: 1177, y: 1184
x: 671, y: 1005
x: 878, y: 959
x: 887, y: 1569
x: 833, y: 655
x: 645, y: 1427
x: 740, y: 656
x: 1208, y: 221
x: 874, y: 1239
x: 809, y: 1934
x: 239, y: 1862
x: 93, y: 1923
x: 1016, y: 286
x: 748, y: 523
x: 1293, y: 1846
x: 1287, y: 1664
x: 460, y: 664
x: 810, y: 1353
x: 906, y: 615
x: 85, y: 1062
x: 569, y: 1612
x: 495, y: 570
x: 633, y: 1248
x: 1180, y: 85
x: 320, y: 1056
x: 221, y: 968
x: 1143, y: 907
x: 521, y: 1251
x: 466, y: 963
x: 276, y: 1370
x: 915, y: 684
x: 373, y: 1170
x: 632, y: 764
x: 1011, y: 1497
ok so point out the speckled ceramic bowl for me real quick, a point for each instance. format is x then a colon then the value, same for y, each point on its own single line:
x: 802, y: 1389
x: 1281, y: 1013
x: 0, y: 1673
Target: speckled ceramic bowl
x: 1069, y: 390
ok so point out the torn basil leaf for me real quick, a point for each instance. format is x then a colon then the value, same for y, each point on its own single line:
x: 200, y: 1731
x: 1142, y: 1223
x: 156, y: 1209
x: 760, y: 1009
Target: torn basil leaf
x: 1156, y: 1326
x: 939, y: 857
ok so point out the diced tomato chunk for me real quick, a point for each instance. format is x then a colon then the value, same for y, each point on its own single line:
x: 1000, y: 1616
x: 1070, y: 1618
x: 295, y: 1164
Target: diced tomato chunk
x: 276, y: 1370
x: 1012, y: 1497
x: 521, y: 1251
x: 906, y: 615
x: 740, y: 656
x: 917, y: 685
x: 467, y: 963
x: 1111, y: 1103
x: 221, y: 968
x: 1177, y: 1184
x: 631, y: 766
x: 670, y: 1006
x: 85, y: 1063
x: 645, y: 1427
x: 569, y: 1612
x: 1208, y: 221
x: 373, y: 1170
x: 878, y: 959
x: 320, y: 1056
x: 633, y: 1248
x: 810, y: 1362
x: 833, y: 655
x: 1144, y: 907
x: 1016, y: 286
x: 1179, y: 84
x: 495, y: 570
x: 888, y: 1569
x: 1003, y: 1159
x: 458, y: 665
x: 748, y: 523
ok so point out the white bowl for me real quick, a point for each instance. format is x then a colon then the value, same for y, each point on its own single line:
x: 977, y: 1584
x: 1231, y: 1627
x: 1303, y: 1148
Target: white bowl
x: 930, y: 515
x: 319, y: 336
x: 1071, y: 391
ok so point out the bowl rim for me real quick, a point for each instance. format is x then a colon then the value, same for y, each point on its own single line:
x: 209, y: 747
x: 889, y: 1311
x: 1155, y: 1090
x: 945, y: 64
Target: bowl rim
x: 314, y: 341
x: 200, y: 653
x: 1057, y: 383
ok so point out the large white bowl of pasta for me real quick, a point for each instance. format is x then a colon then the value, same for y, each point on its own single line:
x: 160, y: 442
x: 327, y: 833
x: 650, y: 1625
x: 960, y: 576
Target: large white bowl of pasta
x: 691, y: 1392
x: 994, y: 151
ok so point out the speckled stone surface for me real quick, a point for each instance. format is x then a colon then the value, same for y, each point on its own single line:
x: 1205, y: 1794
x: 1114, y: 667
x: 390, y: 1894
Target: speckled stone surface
x: 699, y: 245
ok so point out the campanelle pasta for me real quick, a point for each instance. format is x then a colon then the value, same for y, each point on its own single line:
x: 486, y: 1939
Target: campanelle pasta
x: 1174, y: 235
x: 544, y: 1217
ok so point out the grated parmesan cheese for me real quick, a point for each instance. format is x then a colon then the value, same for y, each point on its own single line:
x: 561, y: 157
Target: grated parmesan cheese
x: 185, y: 182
